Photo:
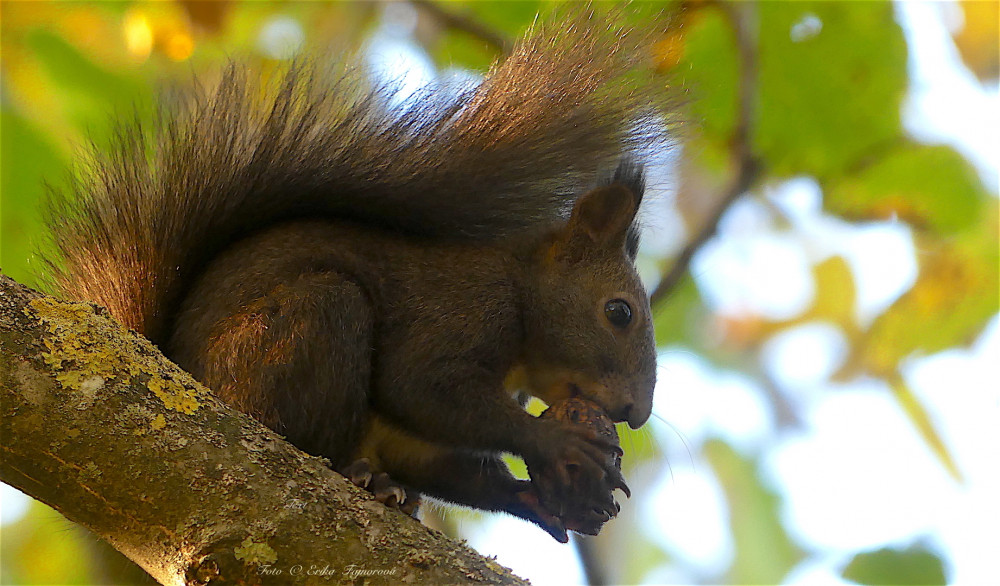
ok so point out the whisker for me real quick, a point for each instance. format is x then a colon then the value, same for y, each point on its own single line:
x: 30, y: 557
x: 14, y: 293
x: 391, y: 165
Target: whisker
x: 680, y: 436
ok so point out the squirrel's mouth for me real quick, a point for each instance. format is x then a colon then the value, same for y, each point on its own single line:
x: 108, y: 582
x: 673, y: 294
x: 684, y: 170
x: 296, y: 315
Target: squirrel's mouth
x: 554, y: 384
x: 618, y: 411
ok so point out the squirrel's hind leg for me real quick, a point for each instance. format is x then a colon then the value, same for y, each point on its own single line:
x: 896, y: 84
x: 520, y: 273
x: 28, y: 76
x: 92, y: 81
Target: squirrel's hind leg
x: 298, y: 358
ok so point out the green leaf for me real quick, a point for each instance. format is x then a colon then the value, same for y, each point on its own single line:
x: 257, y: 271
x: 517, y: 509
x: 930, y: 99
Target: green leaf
x: 677, y: 318
x: 708, y: 74
x: 517, y: 466
x: 764, y: 552
x: 928, y: 186
x: 957, y: 291
x: 832, y: 76
x: 510, y: 18
x: 913, y: 565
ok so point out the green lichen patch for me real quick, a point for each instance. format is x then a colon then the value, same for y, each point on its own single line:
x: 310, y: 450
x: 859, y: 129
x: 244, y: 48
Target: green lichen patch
x: 85, y: 350
x: 159, y: 422
x: 254, y: 552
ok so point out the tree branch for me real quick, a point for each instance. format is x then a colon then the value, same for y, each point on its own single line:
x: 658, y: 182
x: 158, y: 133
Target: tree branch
x: 748, y: 168
x: 466, y: 25
x: 97, y: 423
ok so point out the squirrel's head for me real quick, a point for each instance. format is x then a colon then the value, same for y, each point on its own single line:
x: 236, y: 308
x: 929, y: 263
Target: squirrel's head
x: 588, y: 323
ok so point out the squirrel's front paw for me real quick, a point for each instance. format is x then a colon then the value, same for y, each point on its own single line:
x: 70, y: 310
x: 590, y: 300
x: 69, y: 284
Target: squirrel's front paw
x: 383, y: 488
x: 578, y: 471
x: 528, y: 505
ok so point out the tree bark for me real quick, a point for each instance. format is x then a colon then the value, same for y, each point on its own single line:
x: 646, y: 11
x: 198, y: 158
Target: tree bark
x: 98, y: 424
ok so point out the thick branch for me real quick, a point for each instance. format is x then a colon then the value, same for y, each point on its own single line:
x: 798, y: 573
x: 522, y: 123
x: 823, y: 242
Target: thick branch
x: 99, y: 425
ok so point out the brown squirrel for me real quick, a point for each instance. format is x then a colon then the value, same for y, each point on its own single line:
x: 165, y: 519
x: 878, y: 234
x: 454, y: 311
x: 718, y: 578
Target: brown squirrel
x: 385, y: 285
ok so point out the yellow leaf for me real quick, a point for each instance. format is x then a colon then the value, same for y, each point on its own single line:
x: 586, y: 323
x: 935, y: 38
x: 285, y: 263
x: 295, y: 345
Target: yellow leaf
x: 979, y: 38
x: 955, y: 293
x: 835, y: 293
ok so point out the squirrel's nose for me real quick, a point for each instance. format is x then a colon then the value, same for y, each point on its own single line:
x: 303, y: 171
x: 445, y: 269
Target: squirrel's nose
x: 636, y: 416
x: 627, y: 412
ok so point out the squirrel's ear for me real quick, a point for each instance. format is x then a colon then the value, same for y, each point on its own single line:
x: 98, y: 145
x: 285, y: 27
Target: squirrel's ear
x: 601, y: 219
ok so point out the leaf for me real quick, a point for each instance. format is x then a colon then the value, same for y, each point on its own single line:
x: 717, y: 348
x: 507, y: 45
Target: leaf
x: 764, y: 552
x: 978, y: 39
x: 709, y: 72
x: 913, y: 565
x: 932, y: 187
x: 834, y: 303
x: 832, y: 78
x: 955, y: 294
x: 835, y: 293
x: 678, y: 318
x: 457, y: 49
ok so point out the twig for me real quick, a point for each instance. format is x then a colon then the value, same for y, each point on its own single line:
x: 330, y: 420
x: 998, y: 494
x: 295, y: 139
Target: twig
x: 593, y: 567
x: 748, y: 168
x: 467, y: 25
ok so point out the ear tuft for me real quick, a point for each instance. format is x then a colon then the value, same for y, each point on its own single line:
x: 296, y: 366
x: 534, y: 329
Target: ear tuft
x: 631, y: 174
x: 604, y: 218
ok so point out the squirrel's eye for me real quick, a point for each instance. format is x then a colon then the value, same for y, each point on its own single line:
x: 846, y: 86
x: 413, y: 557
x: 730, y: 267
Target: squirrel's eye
x: 618, y: 312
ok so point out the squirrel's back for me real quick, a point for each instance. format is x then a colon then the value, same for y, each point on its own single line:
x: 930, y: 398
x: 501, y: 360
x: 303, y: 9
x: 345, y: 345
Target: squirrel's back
x: 151, y: 211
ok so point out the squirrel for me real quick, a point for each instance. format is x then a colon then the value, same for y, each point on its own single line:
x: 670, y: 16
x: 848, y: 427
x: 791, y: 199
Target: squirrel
x: 385, y: 285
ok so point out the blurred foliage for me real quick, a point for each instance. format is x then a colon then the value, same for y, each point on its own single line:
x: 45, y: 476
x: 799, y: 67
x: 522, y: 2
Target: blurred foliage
x: 764, y: 552
x: 890, y: 566
x: 829, y: 79
x: 44, y: 548
x: 979, y: 37
x: 826, y: 103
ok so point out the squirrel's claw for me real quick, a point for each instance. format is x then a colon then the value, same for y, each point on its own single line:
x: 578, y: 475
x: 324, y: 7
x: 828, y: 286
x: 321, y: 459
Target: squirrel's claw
x: 382, y: 486
x: 531, y: 508
x: 557, y: 530
x: 616, y: 480
x: 386, y: 491
x: 359, y: 472
x: 412, y: 504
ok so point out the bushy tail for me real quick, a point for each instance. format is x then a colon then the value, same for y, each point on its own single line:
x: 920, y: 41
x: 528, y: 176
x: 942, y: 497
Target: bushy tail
x: 147, y: 214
